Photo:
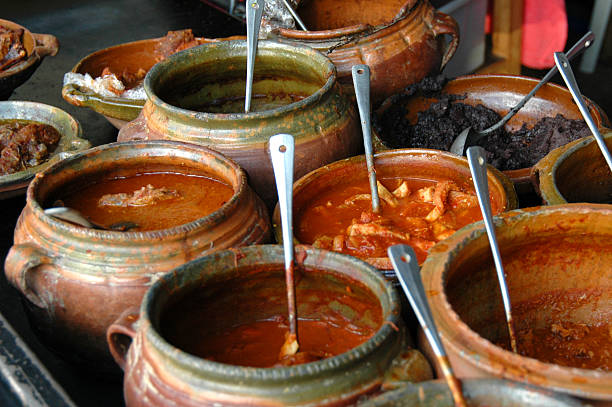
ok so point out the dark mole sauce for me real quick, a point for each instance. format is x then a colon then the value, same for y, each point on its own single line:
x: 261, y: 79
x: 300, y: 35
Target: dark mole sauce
x: 243, y: 322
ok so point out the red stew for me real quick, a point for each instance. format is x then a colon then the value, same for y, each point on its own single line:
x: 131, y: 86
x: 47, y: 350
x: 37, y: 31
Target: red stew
x: 153, y: 201
x: 417, y: 212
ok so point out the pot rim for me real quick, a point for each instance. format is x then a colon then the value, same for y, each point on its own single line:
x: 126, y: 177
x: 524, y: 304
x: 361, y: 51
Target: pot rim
x: 310, y: 54
x: 467, y: 342
x: 189, y: 361
x: 179, y: 231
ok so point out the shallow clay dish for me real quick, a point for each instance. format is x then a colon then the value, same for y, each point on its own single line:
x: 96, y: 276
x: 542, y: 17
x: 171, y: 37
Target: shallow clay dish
x: 70, y: 142
x: 130, y: 56
x: 37, y: 46
x: 500, y: 93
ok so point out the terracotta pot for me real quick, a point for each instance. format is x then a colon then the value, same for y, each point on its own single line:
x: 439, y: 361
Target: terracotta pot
x: 37, y: 46
x: 130, y: 57
x: 426, y: 164
x: 76, y: 281
x: 576, y: 172
x: 558, y: 251
x: 400, y: 40
x: 175, y: 377
x: 478, y: 392
x: 324, y: 123
x: 500, y: 93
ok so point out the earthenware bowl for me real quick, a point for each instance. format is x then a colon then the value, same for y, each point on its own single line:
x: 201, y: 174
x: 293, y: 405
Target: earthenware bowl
x: 37, y: 46
x: 71, y: 140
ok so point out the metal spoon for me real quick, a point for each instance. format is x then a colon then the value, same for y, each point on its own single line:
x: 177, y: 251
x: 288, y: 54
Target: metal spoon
x: 294, y: 15
x: 253, y: 19
x: 74, y: 216
x: 478, y: 168
x: 282, y: 152
x: 361, y: 83
x: 406, y: 268
x: 470, y: 136
x: 568, y: 76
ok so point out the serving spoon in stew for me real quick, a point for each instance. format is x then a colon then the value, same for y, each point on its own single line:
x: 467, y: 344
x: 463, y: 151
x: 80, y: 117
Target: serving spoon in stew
x: 361, y: 83
x: 478, y: 168
x: 470, y: 136
x: 73, y: 216
x: 408, y: 273
x: 282, y: 149
x: 254, y: 10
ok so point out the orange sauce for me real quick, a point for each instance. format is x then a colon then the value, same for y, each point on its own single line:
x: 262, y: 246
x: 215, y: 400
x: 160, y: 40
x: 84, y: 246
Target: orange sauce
x: 198, y: 196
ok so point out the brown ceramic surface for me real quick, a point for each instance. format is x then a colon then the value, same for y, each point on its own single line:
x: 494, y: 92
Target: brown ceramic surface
x: 559, y: 252
x: 401, y: 41
x: 159, y: 374
x: 76, y: 281
x: 500, y: 93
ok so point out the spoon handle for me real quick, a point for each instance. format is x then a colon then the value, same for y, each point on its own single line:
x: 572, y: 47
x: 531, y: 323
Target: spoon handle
x: 254, y: 11
x: 582, y: 44
x: 478, y: 168
x: 282, y: 149
x: 568, y: 76
x: 361, y: 83
x: 295, y: 15
x: 406, y: 268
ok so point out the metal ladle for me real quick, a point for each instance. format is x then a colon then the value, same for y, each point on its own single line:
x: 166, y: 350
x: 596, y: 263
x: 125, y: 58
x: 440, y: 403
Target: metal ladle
x: 568, y: 76
x: 469, y: 136
x: 282, y: 149
x: 408, y: 273
x: 478, y: 168
x: 74, y: 216
x: 254, y: 11
x: 294, y: 15
x: 361, y: 83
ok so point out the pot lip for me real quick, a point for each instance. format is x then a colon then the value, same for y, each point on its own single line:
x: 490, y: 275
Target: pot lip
x: 547, y: 167
x: 274, y: 373
x: 179, y: 231
x: 468, y: 342
x: 307, y: 52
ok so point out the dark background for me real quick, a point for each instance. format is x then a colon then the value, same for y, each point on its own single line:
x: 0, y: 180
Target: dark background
x: 86, y: 26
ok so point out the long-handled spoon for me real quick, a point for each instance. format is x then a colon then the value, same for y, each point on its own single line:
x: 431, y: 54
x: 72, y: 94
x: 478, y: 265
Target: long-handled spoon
x: 282, y: 153
x: 568, y: 76
x: 361, y: 83
x: 253, y: 20
x: 74, y: 216
x: 406, y: 268
x: 469, y: 136
x: 478, y: 168
x: 295, y: 15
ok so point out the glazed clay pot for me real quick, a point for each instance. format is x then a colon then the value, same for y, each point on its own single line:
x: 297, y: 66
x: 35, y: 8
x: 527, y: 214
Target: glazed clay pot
x: 576, y: 172
x: 500, y: 93
x: 160, y: 374
x: 324, y: 122
x: 401, y: 41
x: 478, y: 392
x: 413, y: 163
x: 37, y: 46
x: 557, y: 252
x: 76, y: 281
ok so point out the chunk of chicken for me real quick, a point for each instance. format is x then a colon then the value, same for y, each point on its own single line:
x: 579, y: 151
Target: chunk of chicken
x: 402, y: 191
x: 385, y: 194
x: 462, y: 200
x: 146, y: 195
x: 374, y: 229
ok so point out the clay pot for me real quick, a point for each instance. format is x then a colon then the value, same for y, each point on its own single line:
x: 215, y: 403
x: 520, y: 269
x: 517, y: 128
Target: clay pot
x: 562, y: 252
x: 76, y: 281
x: 37, y: 46
x: 402, y: 41
x: 130, y: 57
x: 324, y: 123
x: 426, y: 164
x: 500, y: 93
x: 576, y: 172
x: 175, y: 377
x: 478, y: 392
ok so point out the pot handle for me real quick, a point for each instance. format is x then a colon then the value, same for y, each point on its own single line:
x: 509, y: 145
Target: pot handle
x: 46, y: 44
x: 75, y: 96
x: 445, y: 24
x: 121, y: 333
x: 409, y: 366
x: 23, y: 259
